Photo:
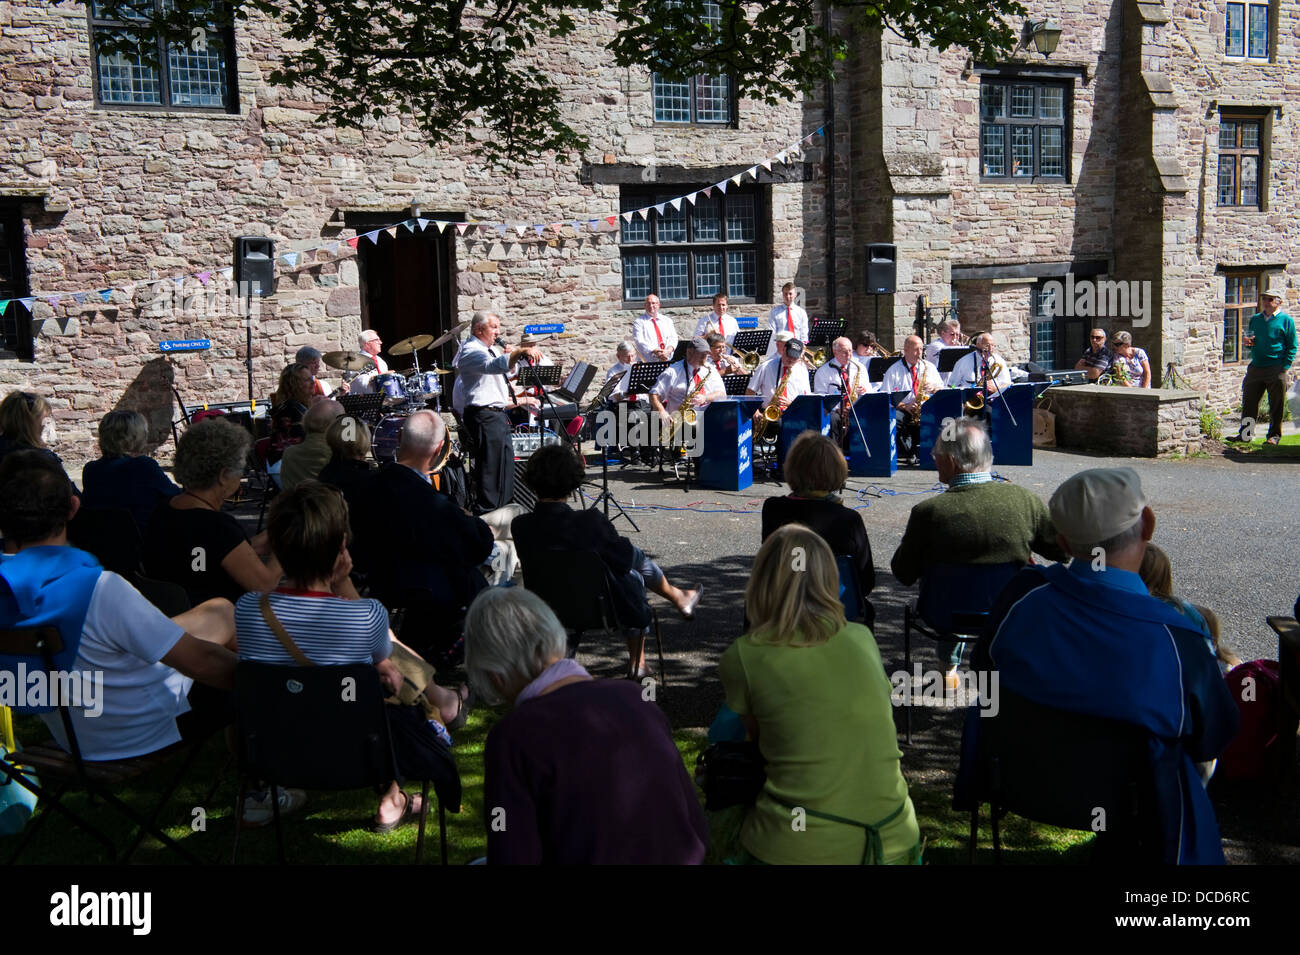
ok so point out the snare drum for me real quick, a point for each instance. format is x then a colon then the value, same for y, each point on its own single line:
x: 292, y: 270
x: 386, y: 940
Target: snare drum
x: 391, y: 385
x: 425, y: 383
x: 385, y: 437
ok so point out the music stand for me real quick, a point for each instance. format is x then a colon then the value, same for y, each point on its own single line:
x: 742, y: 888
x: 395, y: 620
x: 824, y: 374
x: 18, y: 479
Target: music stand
x: 605, y: 497
x: 949, y: 355
x: 735, y: 384
x: 823, y: 331
x: 877, y: 367
x: 367, y: 408
x: 644, y: 374
x: 755, y: 341
x: 532, y: 376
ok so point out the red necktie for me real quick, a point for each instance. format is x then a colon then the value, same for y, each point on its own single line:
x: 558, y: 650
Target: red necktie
x: 654, y: 323
x: 914, y: 388
x: 789, y: 320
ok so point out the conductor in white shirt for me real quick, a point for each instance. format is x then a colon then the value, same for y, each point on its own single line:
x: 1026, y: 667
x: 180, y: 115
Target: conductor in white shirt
x: 654, y: 334
x: 913, y: 376
x: 971, y: 371
x: 788, y: 317
x: 487, y: 396
x: 718, y: 321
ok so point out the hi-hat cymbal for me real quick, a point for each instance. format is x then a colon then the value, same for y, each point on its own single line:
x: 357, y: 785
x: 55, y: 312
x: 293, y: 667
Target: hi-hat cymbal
x: 347, y: 360
x: 439, y: 371
x: 408, y: 345
x: 449, y: 335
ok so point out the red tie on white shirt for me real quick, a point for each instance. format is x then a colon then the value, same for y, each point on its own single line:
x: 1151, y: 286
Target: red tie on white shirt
x: 654, y: 323
x: 789, y: 320
x: 915, y: 392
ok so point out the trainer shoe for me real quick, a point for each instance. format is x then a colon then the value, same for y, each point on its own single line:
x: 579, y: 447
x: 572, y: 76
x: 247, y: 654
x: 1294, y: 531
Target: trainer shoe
x: 258, y: 811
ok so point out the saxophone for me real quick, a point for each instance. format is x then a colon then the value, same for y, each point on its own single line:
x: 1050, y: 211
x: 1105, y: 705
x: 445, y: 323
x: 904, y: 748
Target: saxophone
x: 685, y: 413
x: 772, y: 412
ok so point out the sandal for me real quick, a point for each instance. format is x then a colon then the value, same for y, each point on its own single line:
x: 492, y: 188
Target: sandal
x: 407, y: 815
x: 466, y: 704
x: 1273, y: 440
x: 688, y: 612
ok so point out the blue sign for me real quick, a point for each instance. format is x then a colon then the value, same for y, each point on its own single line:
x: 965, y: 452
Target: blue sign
x: 748, y: 321
x: 543, y: 329
x: 195, y: 344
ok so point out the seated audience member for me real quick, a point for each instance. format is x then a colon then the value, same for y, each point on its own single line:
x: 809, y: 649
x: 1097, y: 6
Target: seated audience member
x: 554, y: 472
x: 812, y: 691
x: 411, y: 536
x: 582, y: 771
x: 303, y: 461
x: 311, y: 359
x: 816, y: 470
x: 125, y: 476
x: 190, y: 540
x: 1134, y: 362
x: 1158, y: 574
x: 289, y: 403
x: 1097, y: 357
x: 22, y: 420
x: 162, y: 679
x: 319, y: 610
x: 349, y: 466
x: 1089, y: 639
x: 977, y: 520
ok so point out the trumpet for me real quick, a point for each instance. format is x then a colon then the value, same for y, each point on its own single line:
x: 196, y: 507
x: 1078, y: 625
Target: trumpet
x: 750, y: 359
x: 814, y: 357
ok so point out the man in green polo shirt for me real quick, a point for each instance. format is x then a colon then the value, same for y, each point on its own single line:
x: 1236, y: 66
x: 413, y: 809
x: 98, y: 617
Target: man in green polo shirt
x: 1272, y: 343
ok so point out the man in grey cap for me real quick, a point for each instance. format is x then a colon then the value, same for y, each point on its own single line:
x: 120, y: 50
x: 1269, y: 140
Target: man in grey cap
x: 691, y: 377
x: 1272, y: 343
x: 1088, y: 638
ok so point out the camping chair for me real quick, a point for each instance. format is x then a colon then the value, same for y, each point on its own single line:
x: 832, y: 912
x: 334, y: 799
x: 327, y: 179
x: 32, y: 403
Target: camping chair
x: 49, y: 771
x: 577, y: 586
x: 296, y: 728
x: 111, y: 534
x: 952, y: 606
x: 1061, y: 769
x: 1288, y: 659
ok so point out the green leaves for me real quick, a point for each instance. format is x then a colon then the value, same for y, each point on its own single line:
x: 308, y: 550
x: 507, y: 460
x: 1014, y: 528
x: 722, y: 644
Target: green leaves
x: 458, y: 70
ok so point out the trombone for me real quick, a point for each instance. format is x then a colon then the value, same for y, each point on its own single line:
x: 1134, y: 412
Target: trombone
x: 976, y: 404
x: 750, y: 359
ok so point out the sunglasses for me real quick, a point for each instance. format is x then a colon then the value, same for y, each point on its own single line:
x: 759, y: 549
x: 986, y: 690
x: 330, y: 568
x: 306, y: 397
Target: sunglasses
x: 1098, y: 338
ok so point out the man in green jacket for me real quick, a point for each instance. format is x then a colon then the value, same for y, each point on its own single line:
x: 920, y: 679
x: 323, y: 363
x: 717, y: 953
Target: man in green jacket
x: 976, y: 521
x: 1272, y: 343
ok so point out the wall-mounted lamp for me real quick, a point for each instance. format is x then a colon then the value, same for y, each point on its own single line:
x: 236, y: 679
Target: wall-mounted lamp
x: 415, y: 208
x: 1045, y: 35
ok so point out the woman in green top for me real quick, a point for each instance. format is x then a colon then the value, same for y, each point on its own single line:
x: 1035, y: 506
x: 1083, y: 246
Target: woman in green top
x: 813, y: 692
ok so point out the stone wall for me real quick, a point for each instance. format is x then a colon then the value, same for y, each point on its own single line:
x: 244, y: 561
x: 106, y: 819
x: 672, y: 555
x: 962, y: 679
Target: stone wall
x: 117, y: 196
x: 1134, y: 422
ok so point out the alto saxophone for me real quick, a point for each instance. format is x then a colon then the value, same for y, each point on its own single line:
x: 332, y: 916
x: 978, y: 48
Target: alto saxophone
x: 685, y: 413
x: 772, y: 411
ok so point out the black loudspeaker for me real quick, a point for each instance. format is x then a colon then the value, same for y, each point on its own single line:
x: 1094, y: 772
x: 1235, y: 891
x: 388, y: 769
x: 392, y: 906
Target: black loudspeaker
x: 882, y: 262
x: 255, y: 263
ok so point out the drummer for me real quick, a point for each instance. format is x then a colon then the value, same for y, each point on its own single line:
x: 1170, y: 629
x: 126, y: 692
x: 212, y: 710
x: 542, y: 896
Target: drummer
x: 370, y: 344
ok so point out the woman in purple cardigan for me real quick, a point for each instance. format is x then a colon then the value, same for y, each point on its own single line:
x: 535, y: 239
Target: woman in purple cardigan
x: 581, y: 771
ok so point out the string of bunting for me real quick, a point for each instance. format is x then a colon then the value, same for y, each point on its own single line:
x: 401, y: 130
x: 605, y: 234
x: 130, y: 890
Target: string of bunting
x: 302, y: 257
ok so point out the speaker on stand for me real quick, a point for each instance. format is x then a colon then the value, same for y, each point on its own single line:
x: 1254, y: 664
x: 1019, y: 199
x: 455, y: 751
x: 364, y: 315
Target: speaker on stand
x: 254, y: 275
x: 881, y: 273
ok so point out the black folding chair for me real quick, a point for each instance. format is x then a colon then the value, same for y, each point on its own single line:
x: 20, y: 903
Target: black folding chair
x: 1069, y: 770
x: 111, y: 534
x: 49, y: 771
x: 952, y: 606
x: 171, y: 598
x: 321, y: 727
x: 851, y: 595
x: 577, y: 586
x: 1288, y: 660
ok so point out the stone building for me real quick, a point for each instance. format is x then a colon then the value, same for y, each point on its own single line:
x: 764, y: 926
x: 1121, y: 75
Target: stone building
x: 1106, y: 162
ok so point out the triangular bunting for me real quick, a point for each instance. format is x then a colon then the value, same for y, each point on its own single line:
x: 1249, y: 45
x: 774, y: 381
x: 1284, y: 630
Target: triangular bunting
x: 461, y: 227
x: 501, y: 228
x: 392, y: 231
x: 721, y: 187
x: 780, y: 157
x: 333, y: 248
x: 661, y: 207
x: 54, y: 300
x: 521, y: 229
x: 539, y: 229
x: 766, y: 164
x: 441, y: 224
x: 202, y: 277
x: 4, y: 306
x: 179, y: 280
x: 28, y: 302
x: 676, y: 204
x: 354, y: 242
x: 708, y: 193
x: 410, y: 225
x: 612, y: 219
x: 105, y: 294
x: 372, y: 236
x: 80, y: 297
x: 423, y: 223
x: 692, y: 197
x: 290, y: 258
x: 737, y: 178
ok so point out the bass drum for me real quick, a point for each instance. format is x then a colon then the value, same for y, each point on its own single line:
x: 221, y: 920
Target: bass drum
x: 383, y: 441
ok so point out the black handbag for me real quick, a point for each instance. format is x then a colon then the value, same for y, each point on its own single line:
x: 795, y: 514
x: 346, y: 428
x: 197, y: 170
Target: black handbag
x: 731, y: 774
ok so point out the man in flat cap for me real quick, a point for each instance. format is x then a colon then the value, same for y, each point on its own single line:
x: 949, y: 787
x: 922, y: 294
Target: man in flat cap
x: 1088, y: 638
x: 1272, y: 343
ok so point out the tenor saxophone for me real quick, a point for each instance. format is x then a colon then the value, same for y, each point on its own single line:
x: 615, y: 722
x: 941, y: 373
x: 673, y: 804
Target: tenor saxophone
x: 686, y: 413
x: 772, y: 411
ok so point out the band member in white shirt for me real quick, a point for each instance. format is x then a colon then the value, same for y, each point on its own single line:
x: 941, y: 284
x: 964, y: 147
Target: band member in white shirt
x: 655, y: 334
x: 718, y: 321
x: 787, y: 318
x: 830, y: 377
x: 718, y: 357
x: 369, y: 343
x: 487, y: 396
x: 913, y: 377
x: 623, y: 368
x: 767, y: 379
x: 691, y: 376
x: 970, y: 371
x: 949, y: 337
x: 865, y: 348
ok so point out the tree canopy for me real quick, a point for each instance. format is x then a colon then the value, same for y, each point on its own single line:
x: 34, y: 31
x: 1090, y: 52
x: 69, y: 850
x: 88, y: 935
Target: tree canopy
x: 473, y: 73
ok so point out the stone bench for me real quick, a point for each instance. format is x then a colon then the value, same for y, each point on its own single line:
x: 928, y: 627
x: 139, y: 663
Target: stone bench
x: 1127, y: 422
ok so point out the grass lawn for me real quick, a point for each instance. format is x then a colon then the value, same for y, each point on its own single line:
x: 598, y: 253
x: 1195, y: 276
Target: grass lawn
x: 332, y: 828
x: 1288, y: 448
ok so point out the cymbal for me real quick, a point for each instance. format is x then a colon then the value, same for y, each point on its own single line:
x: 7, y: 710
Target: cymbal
x: 449, y: 335
x: 347, y: 360
x: 408, y: 345
x: 439, y: 371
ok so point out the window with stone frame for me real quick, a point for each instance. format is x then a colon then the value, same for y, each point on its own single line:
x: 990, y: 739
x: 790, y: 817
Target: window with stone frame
x: 1043, y: 312
x: 16, y: 322
x: 686, y: 255
x: 199, y: 76
x: 699, y: 100
x: 1241, y: 159
x: 1024, y: 129
x: 1247, y: 31
x: 1240, y: 302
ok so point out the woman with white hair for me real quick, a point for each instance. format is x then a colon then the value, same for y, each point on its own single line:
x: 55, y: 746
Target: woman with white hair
x: 581, y: 771
x: 813, y: 694
x: 125, y: 476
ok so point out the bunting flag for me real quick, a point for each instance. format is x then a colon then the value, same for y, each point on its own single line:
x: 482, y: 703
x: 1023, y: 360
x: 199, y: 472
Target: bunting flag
x: 4, y: 306
x: 28, y: 302
x: 297, y: 257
